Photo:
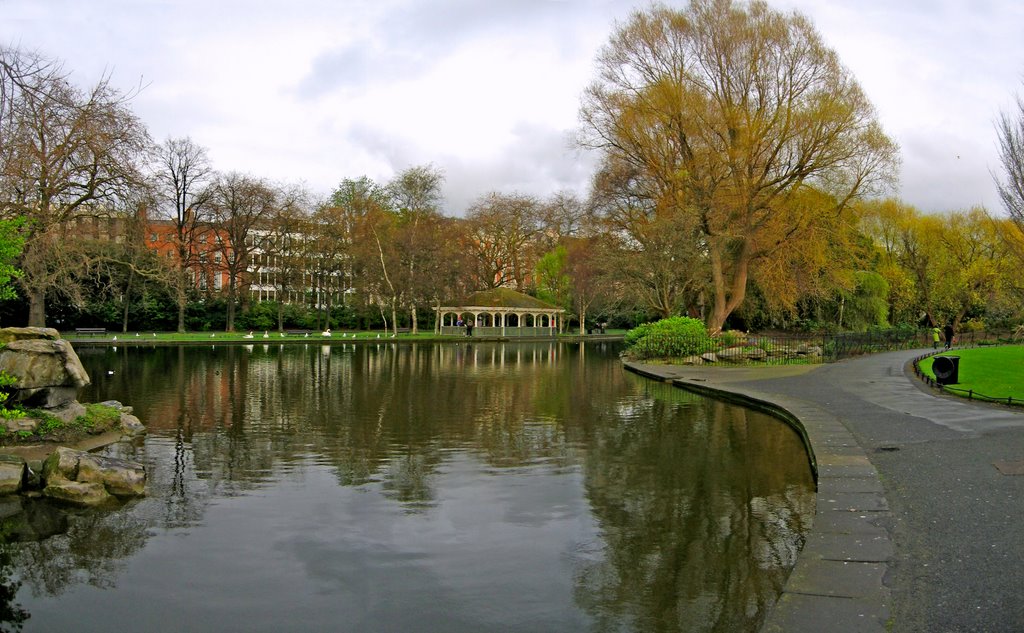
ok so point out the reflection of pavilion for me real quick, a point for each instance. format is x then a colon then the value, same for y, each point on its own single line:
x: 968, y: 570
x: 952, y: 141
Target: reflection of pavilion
x: 501, y: 312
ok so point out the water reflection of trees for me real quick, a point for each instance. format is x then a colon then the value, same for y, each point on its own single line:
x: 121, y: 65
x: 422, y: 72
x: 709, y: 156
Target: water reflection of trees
x: 242, y: 412
x: 677, y: 542
x: 12, y: 614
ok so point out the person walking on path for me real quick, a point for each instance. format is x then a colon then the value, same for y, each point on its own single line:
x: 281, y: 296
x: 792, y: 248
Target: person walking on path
x: 935, y: 338
x: 949, y: 333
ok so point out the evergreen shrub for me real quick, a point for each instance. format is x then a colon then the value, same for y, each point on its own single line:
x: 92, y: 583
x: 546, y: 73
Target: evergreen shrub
x: 674, y: 337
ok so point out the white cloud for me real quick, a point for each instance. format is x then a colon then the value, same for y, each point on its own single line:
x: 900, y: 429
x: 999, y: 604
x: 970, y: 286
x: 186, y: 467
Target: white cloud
x: 488, y: 90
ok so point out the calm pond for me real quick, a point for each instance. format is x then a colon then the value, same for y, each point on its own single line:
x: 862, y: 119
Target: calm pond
x: 469, y: 487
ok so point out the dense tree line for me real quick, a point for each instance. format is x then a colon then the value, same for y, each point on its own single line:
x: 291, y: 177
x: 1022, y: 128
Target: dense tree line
x: 741, y: 181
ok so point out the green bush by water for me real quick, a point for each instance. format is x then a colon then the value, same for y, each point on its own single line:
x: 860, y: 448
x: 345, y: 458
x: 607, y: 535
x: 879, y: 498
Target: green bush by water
x: 675, y: 337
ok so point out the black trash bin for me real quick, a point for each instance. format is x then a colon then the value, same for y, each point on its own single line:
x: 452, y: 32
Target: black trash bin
x: 946, y: 369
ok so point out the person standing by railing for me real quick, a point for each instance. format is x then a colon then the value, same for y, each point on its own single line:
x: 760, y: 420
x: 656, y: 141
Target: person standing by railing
x: 949, y: 333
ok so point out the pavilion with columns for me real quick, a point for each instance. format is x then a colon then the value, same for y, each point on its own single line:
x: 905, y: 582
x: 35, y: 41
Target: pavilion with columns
x: 501, y: 312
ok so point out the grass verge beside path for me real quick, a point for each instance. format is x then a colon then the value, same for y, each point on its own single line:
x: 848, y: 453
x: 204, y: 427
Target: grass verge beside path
x: 992, y: 372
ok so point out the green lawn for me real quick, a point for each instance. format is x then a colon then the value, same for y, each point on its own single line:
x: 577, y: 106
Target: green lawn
x: 995, y: 372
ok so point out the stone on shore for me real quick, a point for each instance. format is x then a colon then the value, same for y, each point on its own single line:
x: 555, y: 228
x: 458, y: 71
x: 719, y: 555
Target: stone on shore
x: 115, y: 476
x: 10, y: 334
x: 78, y: 493
x: 13, y: 472
x: 48, y: 372
x: 131, y: 425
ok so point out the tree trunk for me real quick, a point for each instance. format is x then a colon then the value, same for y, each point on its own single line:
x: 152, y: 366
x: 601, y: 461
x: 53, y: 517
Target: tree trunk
x: 729, y: 294
x: 127, y: 303
x: 229, y: 324
x: 181, y: 317
x: 36, y: 307
x: 414, y: 327
x: 181, y: 296
x: 232, y: 284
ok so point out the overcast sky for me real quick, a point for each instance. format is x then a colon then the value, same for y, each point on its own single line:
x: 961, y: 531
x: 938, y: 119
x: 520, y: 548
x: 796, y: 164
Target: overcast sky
x: 315, y: 91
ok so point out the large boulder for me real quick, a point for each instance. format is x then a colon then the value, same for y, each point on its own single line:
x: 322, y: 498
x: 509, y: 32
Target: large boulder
x: 9, y: 334
x: 48, y: 372
x: 13, y: 472
x: 78, y: 493
x: 118, y: 477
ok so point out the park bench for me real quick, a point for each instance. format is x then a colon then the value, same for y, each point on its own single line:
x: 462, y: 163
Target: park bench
x: 298, y: 332
x: 89, y: 331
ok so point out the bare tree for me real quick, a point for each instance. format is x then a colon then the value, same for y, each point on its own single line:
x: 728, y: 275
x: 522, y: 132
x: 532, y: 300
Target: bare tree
x: 182, y: 176
x: 66, y: 153
x: 286, y: 245
x: 1010, y: 131
x: 241, y: 207
x: 502, y: 228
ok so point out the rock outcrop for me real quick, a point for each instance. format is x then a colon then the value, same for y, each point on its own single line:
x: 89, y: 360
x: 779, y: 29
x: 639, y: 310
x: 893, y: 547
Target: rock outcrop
x: 13, y: 474
x: 47, y: 370
x: 87, y: 479
x: 47, y: 375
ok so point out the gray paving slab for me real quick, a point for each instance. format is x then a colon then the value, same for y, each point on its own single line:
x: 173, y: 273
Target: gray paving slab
x: 870, y: 548
x: 801, y: 613
x: 844, y: 579
x: 910, y: 496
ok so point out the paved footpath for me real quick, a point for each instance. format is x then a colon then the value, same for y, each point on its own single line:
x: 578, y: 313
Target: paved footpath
x: 920, y: 511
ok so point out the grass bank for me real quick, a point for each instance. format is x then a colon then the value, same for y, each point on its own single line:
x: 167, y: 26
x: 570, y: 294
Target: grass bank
x: 990, y: 373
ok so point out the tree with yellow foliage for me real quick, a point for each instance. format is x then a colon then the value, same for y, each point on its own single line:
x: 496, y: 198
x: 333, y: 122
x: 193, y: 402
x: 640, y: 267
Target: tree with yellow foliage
x: 944, y: 266
x: 728, y: 113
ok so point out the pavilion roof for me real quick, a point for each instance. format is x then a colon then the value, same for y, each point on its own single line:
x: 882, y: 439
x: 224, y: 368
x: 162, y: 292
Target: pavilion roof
x: 505, y: 298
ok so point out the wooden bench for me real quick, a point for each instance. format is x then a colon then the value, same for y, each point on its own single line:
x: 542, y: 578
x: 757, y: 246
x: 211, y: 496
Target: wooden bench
x: 89, y: 331
x: 298, y: 332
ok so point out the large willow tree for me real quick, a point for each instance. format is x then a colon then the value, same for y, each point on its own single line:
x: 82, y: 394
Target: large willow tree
x: 726, y: 114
